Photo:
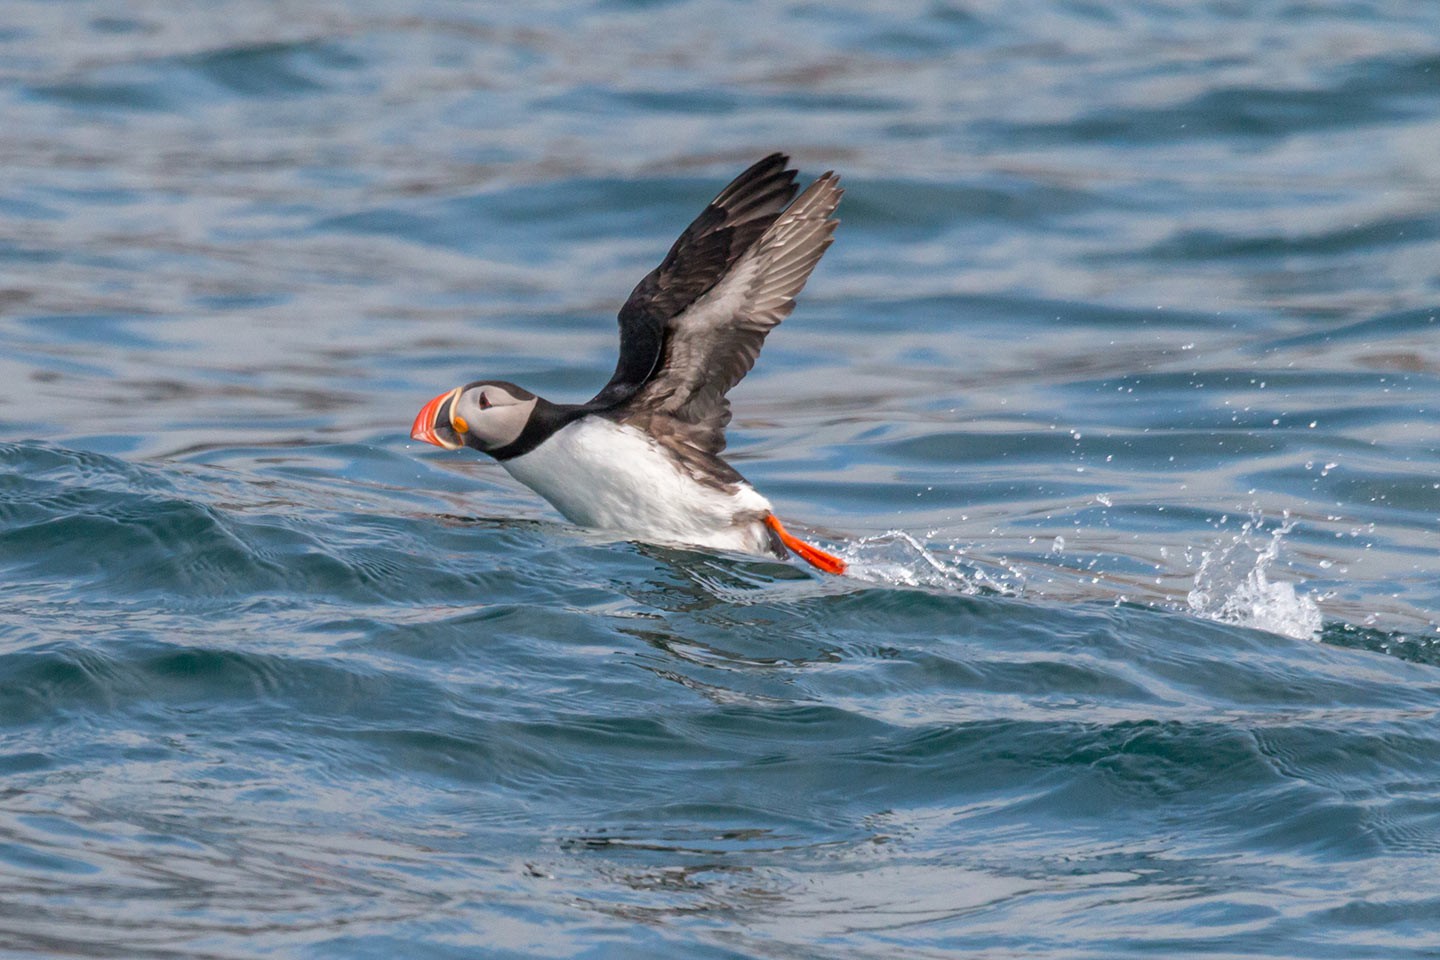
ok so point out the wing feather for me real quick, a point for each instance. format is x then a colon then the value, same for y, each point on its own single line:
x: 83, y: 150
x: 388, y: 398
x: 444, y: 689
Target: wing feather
x: 711, y: 344
x: 701, y: 258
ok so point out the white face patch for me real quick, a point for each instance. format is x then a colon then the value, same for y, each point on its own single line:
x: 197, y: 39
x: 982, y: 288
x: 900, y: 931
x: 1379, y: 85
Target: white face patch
x: 490, y: 415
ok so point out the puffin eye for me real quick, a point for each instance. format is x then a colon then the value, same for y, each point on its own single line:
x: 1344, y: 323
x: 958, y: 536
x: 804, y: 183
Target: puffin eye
x: 484, y: 403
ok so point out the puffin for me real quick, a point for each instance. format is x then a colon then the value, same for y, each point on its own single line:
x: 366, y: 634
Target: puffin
x: 642, y: 457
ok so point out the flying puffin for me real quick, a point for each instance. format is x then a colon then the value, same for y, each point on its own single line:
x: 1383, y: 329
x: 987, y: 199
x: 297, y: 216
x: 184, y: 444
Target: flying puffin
x: 642, y: 457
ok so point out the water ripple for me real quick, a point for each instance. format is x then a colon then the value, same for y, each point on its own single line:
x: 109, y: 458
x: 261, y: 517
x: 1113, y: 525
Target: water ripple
x: 1116, y: 392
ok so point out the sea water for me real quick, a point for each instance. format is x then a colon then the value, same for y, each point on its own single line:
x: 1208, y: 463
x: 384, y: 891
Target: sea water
x: 1118, y: 391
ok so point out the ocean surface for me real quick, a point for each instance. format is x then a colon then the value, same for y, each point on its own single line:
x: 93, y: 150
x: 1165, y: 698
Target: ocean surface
x: 1119, y: 390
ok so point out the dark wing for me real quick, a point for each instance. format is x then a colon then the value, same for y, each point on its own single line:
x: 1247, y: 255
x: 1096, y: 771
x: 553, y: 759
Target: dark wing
x: 712, y: 343
x: 707, y: 249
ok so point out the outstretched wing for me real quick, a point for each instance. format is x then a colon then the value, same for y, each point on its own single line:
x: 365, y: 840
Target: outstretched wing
x: 700, y: 259
x: 710, y: 344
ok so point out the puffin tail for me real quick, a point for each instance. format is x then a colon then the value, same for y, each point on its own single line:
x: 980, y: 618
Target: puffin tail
x: 814, y: 556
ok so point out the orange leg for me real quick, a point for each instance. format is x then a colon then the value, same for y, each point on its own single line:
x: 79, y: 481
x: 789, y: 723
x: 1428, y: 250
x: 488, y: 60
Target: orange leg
x: 814, y: 556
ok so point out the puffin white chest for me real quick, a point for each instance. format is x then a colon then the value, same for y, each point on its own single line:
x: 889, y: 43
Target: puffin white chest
x: 599, y: 473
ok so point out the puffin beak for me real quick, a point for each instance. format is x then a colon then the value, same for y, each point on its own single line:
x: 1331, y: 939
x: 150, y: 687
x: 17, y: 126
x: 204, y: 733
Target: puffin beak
x: 436, y: 414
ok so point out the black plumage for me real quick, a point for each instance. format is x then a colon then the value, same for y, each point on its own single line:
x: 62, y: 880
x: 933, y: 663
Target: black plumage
x: 694, y: 326
x: 699, y: 259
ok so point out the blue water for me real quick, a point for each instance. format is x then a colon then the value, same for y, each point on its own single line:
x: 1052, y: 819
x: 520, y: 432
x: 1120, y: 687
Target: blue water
x: 1118, y: 390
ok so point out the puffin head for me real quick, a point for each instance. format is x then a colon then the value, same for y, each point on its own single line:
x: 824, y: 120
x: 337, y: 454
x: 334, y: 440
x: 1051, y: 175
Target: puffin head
x: 486, y: 415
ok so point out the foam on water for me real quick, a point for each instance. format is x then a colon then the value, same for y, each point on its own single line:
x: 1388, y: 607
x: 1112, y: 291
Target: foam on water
x: 898, y: 558
x: 1233, y: 585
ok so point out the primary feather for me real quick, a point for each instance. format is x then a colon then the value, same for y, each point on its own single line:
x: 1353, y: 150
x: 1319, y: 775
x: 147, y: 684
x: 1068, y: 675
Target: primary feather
x: 727, y: 227
x: 694, y: 327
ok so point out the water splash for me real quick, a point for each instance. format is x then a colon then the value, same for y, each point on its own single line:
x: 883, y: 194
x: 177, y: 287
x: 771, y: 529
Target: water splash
x: 1232, y: 585
x: 899, y: 558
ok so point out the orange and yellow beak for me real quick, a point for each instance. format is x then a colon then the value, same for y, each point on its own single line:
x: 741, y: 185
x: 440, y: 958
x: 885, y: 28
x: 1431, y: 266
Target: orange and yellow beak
x: 435, y: 423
